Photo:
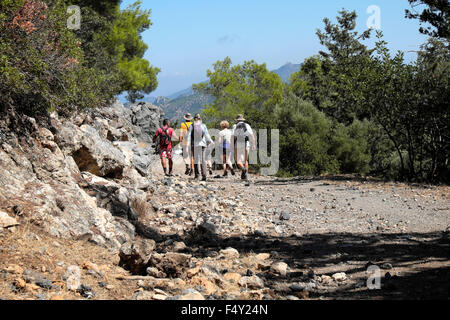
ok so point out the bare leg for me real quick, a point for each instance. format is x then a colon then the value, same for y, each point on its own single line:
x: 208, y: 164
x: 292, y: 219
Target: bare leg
x: 164, y: 165
x: 246, y: 160
x: 224, y: 160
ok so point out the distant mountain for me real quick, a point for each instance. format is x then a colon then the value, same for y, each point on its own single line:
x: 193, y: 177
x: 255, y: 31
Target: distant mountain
x: 186, y: 92
x: 176, y: 105
x: 175, y: 109
x: 287, y: 70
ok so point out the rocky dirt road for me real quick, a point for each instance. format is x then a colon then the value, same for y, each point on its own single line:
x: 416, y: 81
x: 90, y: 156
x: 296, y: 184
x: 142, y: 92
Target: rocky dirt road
x: 267, y: 239
x: 326, y: 226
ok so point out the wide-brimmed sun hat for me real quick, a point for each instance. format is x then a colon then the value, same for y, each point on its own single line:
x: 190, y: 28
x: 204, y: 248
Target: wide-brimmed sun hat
x: 240, y: 117
x: 188, y: 117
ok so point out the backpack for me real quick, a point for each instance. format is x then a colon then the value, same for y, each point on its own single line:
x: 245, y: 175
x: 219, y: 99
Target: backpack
x: 165, y: 137
x: 241, y: 132
x: 197, y: 131
x: 187, y: 128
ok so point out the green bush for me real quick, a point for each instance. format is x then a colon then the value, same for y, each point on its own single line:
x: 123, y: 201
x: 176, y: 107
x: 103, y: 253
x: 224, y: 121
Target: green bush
x: 45, y: 66
x: 41, y: 63
x: 304, y: 138
x: 350, y: 146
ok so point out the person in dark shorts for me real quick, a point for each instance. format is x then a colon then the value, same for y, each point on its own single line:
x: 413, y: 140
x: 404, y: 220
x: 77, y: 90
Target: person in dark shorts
x: 225, y: 143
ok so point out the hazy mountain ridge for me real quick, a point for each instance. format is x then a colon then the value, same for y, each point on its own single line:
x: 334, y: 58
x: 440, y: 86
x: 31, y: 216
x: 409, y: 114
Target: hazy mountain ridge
x: 175, y: 109
x: 287, y: 70
x: 176, y: 105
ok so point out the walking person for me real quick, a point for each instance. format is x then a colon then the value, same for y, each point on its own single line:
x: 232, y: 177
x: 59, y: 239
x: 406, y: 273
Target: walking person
x: 242, y: 135
x: 225, y: 143
x: 165, y: 135
x: 184, y: 129
x: 199, y: 139
x: 209, y: 155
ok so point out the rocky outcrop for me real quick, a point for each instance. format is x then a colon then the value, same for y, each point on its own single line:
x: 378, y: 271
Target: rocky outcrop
x: 90, y: 152
x: 146, y: 119
x: 77, y: 178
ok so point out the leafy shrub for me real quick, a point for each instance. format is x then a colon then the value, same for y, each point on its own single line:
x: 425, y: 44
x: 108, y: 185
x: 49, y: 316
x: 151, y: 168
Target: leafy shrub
x: 304, y: 138
x: 350, y: 146
x: 41, y: 63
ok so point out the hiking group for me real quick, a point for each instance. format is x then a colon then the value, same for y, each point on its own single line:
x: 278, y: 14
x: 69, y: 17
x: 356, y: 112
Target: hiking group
x: 198, y: 146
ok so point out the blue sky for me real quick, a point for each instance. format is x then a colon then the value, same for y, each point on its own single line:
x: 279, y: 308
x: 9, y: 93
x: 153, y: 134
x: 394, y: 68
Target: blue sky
x: 187, y: 37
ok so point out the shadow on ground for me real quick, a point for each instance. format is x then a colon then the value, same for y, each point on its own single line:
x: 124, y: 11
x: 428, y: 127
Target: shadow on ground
x: 424, y: 256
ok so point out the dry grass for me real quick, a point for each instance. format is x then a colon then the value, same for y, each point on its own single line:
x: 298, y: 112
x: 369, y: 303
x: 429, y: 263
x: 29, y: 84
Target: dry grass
x: 31, y: 249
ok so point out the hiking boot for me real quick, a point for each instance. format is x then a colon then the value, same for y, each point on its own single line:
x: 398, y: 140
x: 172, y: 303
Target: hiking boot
x: 188, y: 170
x: 204, y: 178
x: 232, y: 172
x: 244, y: 174
x: 211, y: 172
x: 225, y: 174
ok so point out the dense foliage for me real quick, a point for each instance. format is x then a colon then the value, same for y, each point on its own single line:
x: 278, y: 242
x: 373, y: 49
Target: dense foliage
x: 249, y: 87
x: 436, y: 13
x: 46, y: 66
x: 350, y: 108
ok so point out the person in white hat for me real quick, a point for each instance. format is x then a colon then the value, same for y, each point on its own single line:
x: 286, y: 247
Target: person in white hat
x: 242, y: 135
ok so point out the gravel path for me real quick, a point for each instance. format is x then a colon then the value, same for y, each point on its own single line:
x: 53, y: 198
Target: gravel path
x: 319, y: 227
x: 339, y: 205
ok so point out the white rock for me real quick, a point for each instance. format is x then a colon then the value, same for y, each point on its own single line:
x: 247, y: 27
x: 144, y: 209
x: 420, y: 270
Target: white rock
x: 326, y: 280
x: 253, y: 282
x: 73, y: 278
x: 339, y: 277
x: 6, y: 221
x: 230, y: 253
x: 280, y: 268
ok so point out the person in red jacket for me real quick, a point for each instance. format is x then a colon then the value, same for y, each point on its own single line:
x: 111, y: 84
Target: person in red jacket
x: 166, y: 134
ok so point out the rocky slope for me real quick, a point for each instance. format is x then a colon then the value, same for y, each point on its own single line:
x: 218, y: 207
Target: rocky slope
x: 55, y: 176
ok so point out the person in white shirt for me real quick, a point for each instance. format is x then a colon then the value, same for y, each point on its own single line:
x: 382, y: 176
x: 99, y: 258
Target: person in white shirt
x: 242, y: 136
x: 225, y: 144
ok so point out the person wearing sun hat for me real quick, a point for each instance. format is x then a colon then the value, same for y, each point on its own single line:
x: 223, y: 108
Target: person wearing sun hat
x: 242, y: 135
x: 184, y: 129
